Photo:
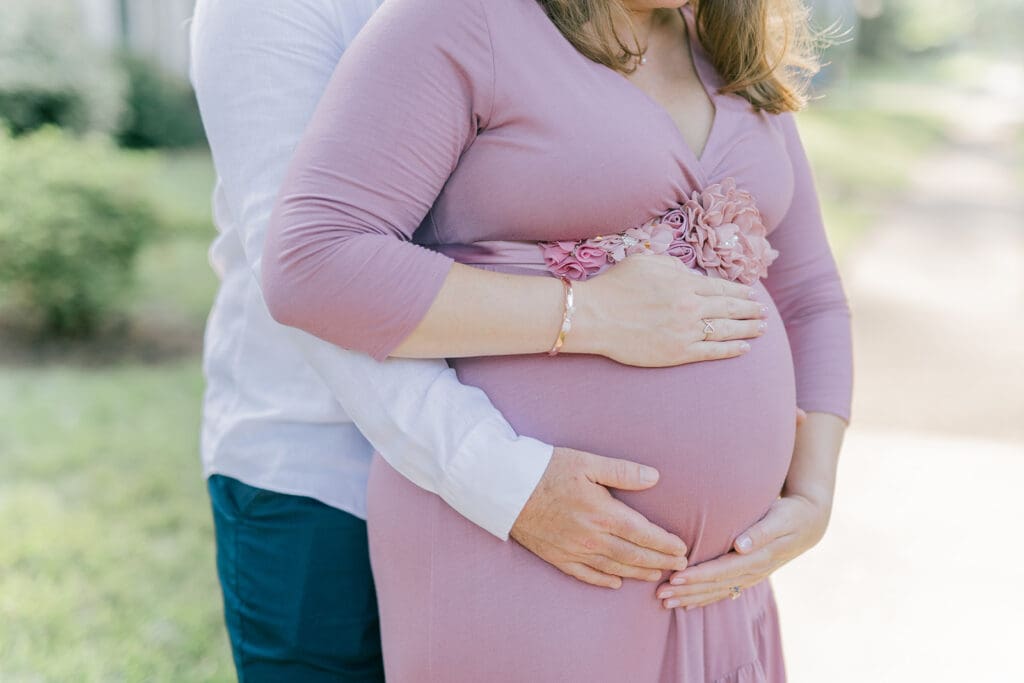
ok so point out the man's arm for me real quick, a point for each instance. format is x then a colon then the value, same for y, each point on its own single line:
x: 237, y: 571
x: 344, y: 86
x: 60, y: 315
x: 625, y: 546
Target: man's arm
x: 259, y: 69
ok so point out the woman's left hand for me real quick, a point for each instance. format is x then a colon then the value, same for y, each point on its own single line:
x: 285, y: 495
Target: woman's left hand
x: 792, y: 526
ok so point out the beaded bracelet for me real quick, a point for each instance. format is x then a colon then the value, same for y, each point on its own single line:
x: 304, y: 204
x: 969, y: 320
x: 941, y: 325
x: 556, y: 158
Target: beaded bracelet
x: 569, y: 309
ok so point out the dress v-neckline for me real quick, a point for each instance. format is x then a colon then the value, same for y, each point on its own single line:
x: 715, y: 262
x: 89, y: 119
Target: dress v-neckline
x: 698, y: 67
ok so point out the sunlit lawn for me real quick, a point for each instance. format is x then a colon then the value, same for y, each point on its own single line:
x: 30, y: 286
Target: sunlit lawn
x: 106, y: 556
x: 106, y: 569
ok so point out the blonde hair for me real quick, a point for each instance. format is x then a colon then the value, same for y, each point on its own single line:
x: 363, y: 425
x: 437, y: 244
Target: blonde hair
x: 765, y: 50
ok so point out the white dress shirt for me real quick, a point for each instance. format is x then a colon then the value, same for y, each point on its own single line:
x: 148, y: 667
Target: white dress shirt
x: 283, y: 410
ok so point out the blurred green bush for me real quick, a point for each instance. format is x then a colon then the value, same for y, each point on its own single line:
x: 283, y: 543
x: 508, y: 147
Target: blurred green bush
x: 161, y: 110
x: 890, y: 30
x: 74, y: 213
x: 51, y: 74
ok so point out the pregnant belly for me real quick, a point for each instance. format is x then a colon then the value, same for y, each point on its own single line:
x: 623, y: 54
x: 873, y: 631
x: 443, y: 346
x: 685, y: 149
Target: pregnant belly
x: 719, y: 432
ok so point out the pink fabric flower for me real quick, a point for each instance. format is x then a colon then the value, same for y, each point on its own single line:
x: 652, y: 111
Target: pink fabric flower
x: 559, y: 260
x: 675, y: 217
x: 568, y: 268
x: 728, y: 234
x: 718, y: 229
x: 574, y: 260
x: 592, y: 257
x: 683, y: 251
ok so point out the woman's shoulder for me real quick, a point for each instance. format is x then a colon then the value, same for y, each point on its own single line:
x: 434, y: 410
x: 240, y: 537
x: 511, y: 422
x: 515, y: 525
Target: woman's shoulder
x: 440, y: 11
x: 422, y: 29
x: 472, y: 33
x: 460, y: 13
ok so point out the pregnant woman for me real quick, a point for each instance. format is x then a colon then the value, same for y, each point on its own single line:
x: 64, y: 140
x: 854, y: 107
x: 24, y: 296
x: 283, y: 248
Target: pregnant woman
x: 481, y: 128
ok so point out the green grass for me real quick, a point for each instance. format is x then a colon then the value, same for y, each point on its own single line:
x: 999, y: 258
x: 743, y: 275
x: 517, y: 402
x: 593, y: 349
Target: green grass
x: 175, y: 284
x: 175, y: 281
x: 106, y: 567
x: 182, y: 187
x: 107, y: 560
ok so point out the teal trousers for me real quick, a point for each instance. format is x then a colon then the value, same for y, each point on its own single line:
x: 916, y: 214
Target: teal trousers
x: 299, y: 600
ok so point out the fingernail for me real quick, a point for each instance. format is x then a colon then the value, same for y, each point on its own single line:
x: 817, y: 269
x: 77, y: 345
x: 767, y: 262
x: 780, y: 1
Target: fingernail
x: 678, y: 580
x: 752, y: 294
x: 764, y: 310
x: 690, y: 607
x: 648, y: 475
x: 763, y: 325
x: 744, y: 347
x: 672, y: 604
x: 664, y: 594
x: 744, y: 543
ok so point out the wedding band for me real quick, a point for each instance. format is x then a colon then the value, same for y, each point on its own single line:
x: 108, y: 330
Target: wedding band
x: 708, y: 327
x: 734, y: 592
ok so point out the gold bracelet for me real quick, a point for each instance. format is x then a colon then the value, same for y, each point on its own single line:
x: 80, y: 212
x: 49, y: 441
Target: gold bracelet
x: 569, y: 309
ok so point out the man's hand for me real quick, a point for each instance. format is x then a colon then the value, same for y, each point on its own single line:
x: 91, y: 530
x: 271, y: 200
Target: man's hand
x: 793, y: 525
x: 574, y: 523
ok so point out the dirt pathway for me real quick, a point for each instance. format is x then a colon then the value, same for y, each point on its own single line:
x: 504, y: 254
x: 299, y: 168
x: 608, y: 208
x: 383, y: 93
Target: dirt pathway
x: 937, y: 289
x: 919, y: 578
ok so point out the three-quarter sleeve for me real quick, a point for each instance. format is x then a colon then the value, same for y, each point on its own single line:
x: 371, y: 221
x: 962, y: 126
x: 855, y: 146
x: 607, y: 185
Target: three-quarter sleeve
x: 804, y: 283
x: 404, y: 103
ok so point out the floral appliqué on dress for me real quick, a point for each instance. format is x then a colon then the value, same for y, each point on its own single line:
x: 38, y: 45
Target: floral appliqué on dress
x: 717, y: 230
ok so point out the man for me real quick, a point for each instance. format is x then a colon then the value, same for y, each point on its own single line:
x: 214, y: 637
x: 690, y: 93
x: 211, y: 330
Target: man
x: 285, y: 460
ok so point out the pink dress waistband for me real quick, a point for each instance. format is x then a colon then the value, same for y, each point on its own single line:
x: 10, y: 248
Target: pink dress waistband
x: 524, y: 255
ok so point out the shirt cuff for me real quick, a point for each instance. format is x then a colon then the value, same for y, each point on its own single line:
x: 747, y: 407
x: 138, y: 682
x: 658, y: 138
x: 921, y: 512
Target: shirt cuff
x: 493, y: 475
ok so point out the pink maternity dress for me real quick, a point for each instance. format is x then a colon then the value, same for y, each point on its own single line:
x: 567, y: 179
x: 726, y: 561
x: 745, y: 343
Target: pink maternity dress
x: 460, y: 122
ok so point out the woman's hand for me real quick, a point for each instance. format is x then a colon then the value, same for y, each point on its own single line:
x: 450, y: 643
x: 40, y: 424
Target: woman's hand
x: 648, y: 311
x: 793, y: 525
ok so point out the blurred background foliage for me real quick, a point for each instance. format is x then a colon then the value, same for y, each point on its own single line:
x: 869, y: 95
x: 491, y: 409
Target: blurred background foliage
x: 896, y: 28
x: 106, y: 568
x: 160, y: 109
x: 51, y: 73
x: 76, y: 212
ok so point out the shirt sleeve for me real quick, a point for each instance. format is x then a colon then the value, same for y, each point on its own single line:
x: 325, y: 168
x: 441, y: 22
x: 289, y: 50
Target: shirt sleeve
x: 804, y: 283
x: 259, y: 68
x: 405, y: 102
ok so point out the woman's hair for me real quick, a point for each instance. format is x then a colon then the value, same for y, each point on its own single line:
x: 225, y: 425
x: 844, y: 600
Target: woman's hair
x: 764, y: 49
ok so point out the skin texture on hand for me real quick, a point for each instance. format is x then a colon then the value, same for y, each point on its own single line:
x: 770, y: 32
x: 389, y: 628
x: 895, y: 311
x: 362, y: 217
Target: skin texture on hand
x: 572, y: 522
x: 649, y: 311
x: 794, y: 524
x: 645, y: 311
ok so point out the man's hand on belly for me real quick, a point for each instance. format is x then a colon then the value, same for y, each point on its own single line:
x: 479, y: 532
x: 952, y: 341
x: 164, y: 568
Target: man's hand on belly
x: 572, y: 522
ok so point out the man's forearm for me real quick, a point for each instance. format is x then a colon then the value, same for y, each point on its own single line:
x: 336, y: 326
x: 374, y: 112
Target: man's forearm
x: 442, y: 435
x: 484, y: 313
x: 259, y: 73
